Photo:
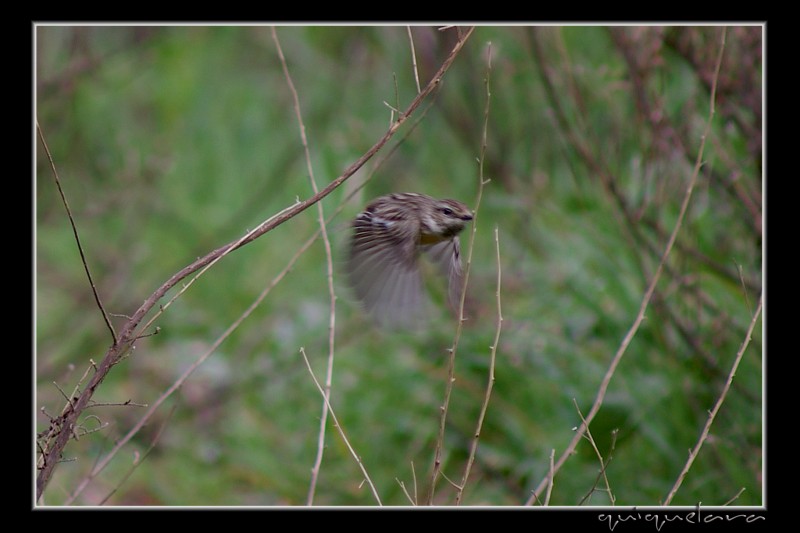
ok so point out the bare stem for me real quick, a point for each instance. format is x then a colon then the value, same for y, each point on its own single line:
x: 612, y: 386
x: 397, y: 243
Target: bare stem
x: 413, y: 57
x: 490, y: 382
x: 451, y: 360
x: 713, y: 413
x: 96, y: 294
x: 551, y: 478
x: 329, y: 262
x: 598, y: 402
x: 340, y: 429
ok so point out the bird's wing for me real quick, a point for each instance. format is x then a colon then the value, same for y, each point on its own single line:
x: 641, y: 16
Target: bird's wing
x: 383, y: 270
x: 446, y: 255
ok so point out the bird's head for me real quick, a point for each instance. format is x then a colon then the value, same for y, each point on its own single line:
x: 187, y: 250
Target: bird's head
x: 446, y: 218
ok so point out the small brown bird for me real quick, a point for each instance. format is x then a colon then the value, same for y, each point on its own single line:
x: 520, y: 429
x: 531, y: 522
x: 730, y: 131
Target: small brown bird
x: 388, y: 238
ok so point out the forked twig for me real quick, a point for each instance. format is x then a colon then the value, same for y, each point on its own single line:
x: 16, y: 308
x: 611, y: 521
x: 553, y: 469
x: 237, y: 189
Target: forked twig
x: 405, y: 491
x: 339, y: 428
x: 603, y: 462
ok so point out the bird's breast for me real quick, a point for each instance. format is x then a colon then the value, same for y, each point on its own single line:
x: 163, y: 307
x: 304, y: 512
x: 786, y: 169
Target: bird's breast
x: 430, y: 238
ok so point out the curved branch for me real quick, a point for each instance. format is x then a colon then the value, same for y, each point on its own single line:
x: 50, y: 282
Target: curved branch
x: 61, y: 427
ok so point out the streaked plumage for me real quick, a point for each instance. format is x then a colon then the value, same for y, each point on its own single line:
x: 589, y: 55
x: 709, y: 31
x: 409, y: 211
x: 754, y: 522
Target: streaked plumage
x: 388, y: 238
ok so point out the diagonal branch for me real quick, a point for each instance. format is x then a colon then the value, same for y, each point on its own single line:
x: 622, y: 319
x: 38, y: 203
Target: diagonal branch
x: 713, y: 413
x: 75, y: 233
x: 598, y: 402
x: 129, y: 334
x: 178, y: 383
x: 326, y: 401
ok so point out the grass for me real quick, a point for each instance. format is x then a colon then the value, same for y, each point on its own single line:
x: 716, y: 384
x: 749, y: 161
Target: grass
x: 170, y: 142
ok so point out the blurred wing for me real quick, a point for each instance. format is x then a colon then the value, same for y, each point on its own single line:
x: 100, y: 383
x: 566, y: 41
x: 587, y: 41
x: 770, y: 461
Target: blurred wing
x: 383, y: 270
x: 446, y: 255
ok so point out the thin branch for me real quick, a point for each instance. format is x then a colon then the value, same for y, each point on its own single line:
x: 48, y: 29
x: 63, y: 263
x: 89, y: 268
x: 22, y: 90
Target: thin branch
x: 413, y: 57
x: 395, y: 109
x: 713, y: 413
x: 128, y: 334
x: 329, y: 262
x: 453, y: 483
x: 63, y: 394
x: 56, y: 423
x: 203, y: 270
x: 189, y: 371
x: 414, y: 478
x: 126, y: 403
x: 451, y: 360
x: 340, y: 430
x: 405, y: 491
x: 735, y: 497
x: 603, y: 462
x: 551, y: 478
x: 490, y: 382
x: 96, y: 294
x: 598, y: 402
x: 139, y: 459
x: 80, y: 429
x: 415, y: 500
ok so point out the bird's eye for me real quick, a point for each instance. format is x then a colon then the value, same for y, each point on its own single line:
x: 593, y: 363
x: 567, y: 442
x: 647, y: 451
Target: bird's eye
x: 447, y: 211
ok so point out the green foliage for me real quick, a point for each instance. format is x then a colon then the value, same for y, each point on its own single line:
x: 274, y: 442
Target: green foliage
x: 172, y: 141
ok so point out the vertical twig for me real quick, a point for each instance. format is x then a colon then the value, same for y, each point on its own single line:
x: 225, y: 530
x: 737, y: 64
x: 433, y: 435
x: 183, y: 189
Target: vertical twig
x: 551, y: 478
x: 648, y: 293
x: 415, y: 500
x: 329, y: 261
x: 490, y: 383
x: 713, y: 413
x: 451, y: 360
x: 77, y: 238
x: 338, y: 427
x: 413, y: 58
x: 414, y: 478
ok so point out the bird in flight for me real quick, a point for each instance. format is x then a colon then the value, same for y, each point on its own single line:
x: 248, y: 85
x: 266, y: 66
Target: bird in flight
x: 388, y: 238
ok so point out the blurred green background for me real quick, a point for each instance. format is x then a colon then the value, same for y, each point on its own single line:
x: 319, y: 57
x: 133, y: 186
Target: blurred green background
x: 172, y: 141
